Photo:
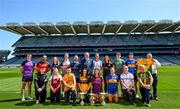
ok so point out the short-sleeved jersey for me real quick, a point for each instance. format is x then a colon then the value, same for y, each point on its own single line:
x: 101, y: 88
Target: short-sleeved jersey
x: 28, y: 68
x: 69, y: 79
x: 127, y: 79
x: 112, y: 83
x: 132, y: 66
x: 118, y: 63
x: 64, y: 65
x: 145, y: 77
x: 76, y: 69
x: 97, y: 64
x: 97, y: 85
x: 42, y: 64
x: 55, y: 81
x: 84, y: 83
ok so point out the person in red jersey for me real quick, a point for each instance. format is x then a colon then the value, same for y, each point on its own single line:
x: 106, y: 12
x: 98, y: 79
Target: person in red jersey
x: 43, y: 64
x: 55, y: 84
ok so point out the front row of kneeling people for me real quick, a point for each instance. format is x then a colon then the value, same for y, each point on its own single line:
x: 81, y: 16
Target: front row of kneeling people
x: 91, y: 87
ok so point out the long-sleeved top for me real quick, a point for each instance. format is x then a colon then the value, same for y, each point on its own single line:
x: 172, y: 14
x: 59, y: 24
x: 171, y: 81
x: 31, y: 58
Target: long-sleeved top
x: 40, y: 81
x: 155, y: 66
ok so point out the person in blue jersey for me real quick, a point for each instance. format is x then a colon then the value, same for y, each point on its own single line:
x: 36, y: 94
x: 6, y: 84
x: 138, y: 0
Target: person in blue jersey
x: 87, y: 63
x: 127, y: 81
x: 112, y: 86
x: 132, y: 65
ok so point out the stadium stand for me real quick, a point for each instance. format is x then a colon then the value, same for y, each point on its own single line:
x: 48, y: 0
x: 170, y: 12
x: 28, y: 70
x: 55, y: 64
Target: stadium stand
x: 3, y: 55
x: 161, y: 38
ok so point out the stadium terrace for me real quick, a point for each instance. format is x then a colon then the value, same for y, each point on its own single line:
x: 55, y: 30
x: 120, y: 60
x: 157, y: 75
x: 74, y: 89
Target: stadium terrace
x: 161, y: 38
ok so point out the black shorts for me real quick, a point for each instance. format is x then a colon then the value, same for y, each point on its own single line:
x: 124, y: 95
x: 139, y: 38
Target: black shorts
x: 27, y: 79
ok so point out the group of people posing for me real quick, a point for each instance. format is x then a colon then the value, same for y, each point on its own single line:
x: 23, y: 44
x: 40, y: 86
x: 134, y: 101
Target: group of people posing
x: 92, y: 78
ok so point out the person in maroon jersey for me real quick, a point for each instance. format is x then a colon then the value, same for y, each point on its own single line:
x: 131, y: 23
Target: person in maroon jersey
x: 55, y: 84
x: 43, y: 64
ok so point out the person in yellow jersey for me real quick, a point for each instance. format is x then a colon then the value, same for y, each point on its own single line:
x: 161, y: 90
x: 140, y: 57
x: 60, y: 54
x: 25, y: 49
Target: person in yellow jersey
x: 69, y: 82
x: 145, y: 79
x: 84, y: 84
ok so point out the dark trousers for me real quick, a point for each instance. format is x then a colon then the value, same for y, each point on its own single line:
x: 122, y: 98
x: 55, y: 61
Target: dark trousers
x: 155, y: 80
x: 129, y: 96
x: 41, y: 96
x: 86, y: 98
x: 73, y: 95
x: 145, y: 94
x: 55, y: 97
x: 105, y: 84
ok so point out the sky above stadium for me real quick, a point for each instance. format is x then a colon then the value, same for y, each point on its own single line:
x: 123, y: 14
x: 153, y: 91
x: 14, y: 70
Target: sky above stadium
x: 37, y: 11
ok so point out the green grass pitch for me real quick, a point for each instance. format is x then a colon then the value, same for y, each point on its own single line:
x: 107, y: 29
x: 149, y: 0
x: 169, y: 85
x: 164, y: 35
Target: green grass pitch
x: 169, y: 93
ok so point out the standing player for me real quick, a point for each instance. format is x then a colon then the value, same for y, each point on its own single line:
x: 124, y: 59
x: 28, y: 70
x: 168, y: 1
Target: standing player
x: 106, y: 69
x: 43, y: 64
x: 155, y: 66
x: 55, y: 63
x: 127, y: 81
x: 112, y: 85
x: 132, y: 65
x: 27, y: 69
x: 75, y: 66
x: 118, y: 64
x: 55, y: 84
x: 97, y: 63
x: 65, y: 63
x: 87, y: 63
x: 145, y: 79
x: 69, y: 82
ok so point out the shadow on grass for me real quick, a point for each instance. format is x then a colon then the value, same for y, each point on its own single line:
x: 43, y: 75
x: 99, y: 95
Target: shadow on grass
x: 25, y: 103
x: 127, y: 103
x: 9, y: 100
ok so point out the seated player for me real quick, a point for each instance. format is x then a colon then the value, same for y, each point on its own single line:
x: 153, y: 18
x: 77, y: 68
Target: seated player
x: 97, y: 87
x: 55, y: 83
x: 128, y: 88
x: 69, y: 82
x: 84, y: 84
x: 40, y: 83
x: 112, y: 85
x: 145, y: 79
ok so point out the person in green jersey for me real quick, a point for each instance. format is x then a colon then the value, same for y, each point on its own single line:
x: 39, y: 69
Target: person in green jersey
x: 145, y: 79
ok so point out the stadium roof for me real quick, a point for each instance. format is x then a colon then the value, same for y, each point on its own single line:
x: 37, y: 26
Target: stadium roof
x: 93, y: 28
